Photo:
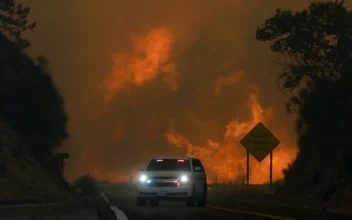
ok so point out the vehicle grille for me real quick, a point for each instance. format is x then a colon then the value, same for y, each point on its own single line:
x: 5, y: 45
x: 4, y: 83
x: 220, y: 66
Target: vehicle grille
x: 178, y: 194
x: 147, y: 194
x: 168, y: 194
x: 162, y: 184
x: 164, y: 177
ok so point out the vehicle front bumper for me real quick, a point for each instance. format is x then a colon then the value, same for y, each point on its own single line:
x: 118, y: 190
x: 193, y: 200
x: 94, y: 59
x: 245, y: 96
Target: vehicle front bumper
x: 172, y: 193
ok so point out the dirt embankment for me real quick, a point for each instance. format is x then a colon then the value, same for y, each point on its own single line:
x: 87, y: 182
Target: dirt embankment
x: 313, y: 182
x: 22, y: 177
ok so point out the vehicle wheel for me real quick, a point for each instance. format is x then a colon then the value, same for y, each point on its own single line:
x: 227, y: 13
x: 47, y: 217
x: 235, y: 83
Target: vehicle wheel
x: 153, y: 202
x: 141, y: 202
x: 189, y: 203
x: 203, y: 201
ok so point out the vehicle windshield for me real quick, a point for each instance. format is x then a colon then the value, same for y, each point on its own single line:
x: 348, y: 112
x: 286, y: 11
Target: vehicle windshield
x: 169, y: 164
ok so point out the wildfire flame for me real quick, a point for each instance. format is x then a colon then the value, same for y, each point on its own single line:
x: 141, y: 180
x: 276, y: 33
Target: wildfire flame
x: 226, y: 161
x: 227, y: 80
x: 149, y: 58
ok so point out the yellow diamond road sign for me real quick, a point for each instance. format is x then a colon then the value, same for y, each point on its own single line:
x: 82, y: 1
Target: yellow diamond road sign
x: 260, y: 142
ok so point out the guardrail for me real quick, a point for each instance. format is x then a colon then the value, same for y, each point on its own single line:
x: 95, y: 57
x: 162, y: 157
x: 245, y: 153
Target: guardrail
x: 239, y: 187
x: 216, y: 187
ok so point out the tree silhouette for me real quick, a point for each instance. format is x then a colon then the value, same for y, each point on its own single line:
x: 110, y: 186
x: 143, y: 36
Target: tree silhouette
x: 315, y: 47
x: 314, y: 44
x: 14, y: 21
x: 30, y: 102
x: 315, y: 51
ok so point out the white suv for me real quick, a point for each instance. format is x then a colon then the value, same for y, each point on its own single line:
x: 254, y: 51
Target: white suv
x: 172, y: 178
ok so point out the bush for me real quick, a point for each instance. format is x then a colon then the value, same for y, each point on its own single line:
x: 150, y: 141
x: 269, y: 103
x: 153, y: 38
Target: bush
x: 87, y: 184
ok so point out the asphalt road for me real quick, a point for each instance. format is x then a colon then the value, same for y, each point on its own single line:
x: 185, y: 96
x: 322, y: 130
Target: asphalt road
x: 48, y: 212
x: 220, y: 206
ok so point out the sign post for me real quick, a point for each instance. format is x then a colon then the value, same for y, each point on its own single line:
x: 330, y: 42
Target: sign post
x: 247, y: 169
x: 271, y: 170
x: 260, y: 142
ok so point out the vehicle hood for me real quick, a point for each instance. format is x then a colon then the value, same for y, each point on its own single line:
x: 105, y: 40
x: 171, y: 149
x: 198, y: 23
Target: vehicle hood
x: 166, y: 173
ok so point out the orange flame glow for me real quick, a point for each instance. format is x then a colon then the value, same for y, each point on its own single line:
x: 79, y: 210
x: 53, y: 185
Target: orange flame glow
x: 150, y: 56
x: 226, y: 161
x: 227, y: 80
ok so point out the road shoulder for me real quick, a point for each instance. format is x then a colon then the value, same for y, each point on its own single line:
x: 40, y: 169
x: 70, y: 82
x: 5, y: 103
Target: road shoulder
x: 86, y: 209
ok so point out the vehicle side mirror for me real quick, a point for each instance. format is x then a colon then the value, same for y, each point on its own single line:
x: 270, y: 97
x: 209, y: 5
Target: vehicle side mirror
x: 198, y: 169
x: 141, y: 169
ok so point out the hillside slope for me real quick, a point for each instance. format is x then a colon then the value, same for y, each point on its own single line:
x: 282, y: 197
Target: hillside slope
x: 311, y: 182
x: 21, y: 176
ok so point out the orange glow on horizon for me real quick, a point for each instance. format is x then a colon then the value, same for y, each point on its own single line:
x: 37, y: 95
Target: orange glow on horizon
x: 226, y: 161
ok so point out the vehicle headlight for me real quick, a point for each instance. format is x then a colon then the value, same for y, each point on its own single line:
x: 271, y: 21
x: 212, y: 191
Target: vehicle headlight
x: 142, y: 178
x: 184, y: 179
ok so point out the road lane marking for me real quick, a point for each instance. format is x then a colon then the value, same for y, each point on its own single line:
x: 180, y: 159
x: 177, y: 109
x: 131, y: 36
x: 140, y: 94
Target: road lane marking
x: 250, y: 213
x: 105, y: 199
x: 119, y: 214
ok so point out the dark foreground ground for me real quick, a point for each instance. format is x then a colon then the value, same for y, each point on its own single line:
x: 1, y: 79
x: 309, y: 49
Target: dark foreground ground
x: 238, y: 204
x: 230, y: 205
x: 55, y: 211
